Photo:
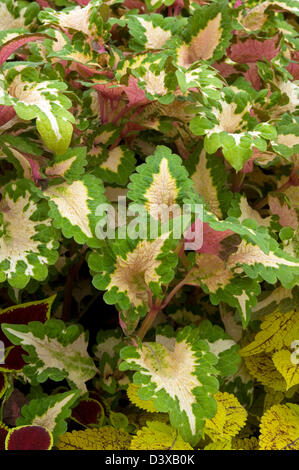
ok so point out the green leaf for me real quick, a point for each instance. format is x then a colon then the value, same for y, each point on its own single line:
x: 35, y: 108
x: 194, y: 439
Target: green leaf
x: 70, y: 165
x: 178, y: 373
x: 49, y: 412
x: 44, y: 101
x: 116, y: 165
x: 206, y: 36
x: 54, y: 351
x: 28, y: 242
x: 73, y: 208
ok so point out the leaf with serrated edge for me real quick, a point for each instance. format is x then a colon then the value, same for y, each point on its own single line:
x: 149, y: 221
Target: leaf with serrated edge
x: 49, y: 412
x: 54, y: 351
x: 229, y: 419
x: 73, y: 208
x: 178, y: 374
x: 207, y: 35
x: 28, y: 242
x: 280, y: 428
x: 277, y: 330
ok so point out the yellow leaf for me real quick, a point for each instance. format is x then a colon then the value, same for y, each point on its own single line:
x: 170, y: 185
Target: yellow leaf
x: 229, y: 419
x: 105, y: 438
x: 132, y: 392
x: 262, y: 368
x: 288, y: 369
x: 158, y: 436
x: 280, y: 428
x: 277, y: 330
x: 219, y: 445
x: 245, y: 443
x: 272, y: 398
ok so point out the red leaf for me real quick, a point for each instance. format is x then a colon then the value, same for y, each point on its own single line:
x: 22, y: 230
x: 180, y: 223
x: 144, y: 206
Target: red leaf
x: 3, y: 434
x: 211, y: 239
x: 43, y: 3
x: 252, y: 50
x: 35, y: 169
x: 11, y: 46
x: 88, y: 412
x: 13, y: 360
x: 29, y: 438
x: 6, y: 114
x: 135, y: 95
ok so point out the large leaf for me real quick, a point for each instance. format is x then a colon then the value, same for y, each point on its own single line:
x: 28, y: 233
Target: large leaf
x: 178, y: 373
x: 29, y: 438
x: 277, y: 331
x: 131, y: 268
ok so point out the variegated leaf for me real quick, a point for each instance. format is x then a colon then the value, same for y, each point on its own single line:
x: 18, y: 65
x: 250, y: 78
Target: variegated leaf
x: 69, y: 165
x: 73, y: 208
x: 206, y: 36
x: 177, y: 372
x: 18, y: 14
x: 222, y: 346
x: 210, y: 181
x: 226, y: 126
x: 280, y: 299
x: 161, y: 185
x: 84, y: 19
x: 43, y: 100
x: 116, y: 165
x: 131, y: 268
x: 106, y: 351
x: 54, y: 351
x: 149, y: 31
x: 271, y: 266
x: 28, y: 242
x: 49, y: 412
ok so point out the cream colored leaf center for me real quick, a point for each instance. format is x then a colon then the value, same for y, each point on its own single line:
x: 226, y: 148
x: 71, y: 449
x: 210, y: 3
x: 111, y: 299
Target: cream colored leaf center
x: 133, y: 274
x: 203, y: 45
x: 162, y: 193
x: 72, y: 203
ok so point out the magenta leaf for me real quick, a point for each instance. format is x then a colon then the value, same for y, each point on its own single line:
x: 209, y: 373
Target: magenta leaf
x: 29, y: 438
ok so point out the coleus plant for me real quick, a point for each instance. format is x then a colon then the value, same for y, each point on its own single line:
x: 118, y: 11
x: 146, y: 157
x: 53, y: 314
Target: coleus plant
x: 149, y: 248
